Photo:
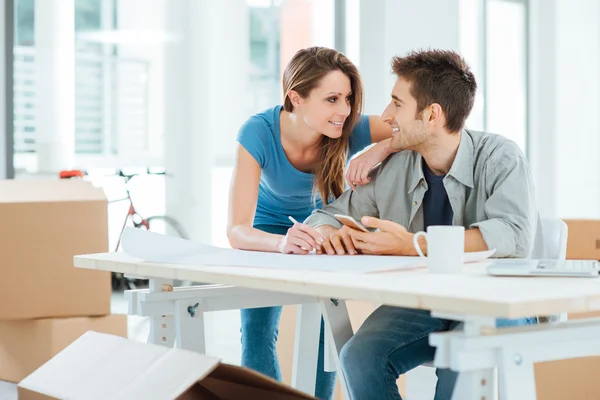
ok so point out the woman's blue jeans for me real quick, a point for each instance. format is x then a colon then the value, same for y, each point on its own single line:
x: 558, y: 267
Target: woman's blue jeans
x: 260, y: 327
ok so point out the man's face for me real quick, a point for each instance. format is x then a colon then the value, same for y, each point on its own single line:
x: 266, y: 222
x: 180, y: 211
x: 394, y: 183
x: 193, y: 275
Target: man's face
x: 409, y: 129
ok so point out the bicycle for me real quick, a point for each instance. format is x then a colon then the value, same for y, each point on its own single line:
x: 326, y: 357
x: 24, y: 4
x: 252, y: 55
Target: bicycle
x: 139, y: 222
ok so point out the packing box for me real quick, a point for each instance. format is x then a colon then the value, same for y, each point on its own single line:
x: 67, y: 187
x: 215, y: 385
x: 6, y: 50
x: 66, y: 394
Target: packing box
x: 568, y: 379
x: 579, y: 373
x: 26, y: 345
x: 44, y: 224
x: 584, y: 239
x: 100, y: 366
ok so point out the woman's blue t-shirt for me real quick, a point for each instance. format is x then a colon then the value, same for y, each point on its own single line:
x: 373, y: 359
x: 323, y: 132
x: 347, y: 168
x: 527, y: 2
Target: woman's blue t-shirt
x: 283, y: 189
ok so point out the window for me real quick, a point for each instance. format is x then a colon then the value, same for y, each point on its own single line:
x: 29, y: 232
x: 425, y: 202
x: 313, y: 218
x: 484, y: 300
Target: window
x: 472, y: 42
x: 506, y: 69
x: 493, y: 40
x: 265, y: 45
x: 96, y: 73
x: 277, y: 30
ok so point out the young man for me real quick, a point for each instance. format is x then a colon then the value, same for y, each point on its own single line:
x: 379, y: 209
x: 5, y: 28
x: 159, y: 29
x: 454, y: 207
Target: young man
x: 442, y: 174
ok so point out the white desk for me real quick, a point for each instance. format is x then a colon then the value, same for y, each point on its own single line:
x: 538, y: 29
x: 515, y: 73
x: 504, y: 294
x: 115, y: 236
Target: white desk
x: 473, y: 297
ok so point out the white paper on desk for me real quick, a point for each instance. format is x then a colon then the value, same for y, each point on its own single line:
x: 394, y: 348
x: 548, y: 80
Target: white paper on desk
x: 478, y: 256
x: 154, y: 247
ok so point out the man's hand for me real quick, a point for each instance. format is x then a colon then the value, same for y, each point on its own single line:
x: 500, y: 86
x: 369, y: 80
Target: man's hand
x: 392, y: 238
x: 337, y: 241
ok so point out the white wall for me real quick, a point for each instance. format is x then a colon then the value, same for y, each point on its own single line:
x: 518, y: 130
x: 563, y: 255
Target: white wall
x: 55, y: 85
x: 391, y: 28
x: 205, y: 78
x: 148, y: 15
x: 322, y: 27
x: 564, y: 103
x: 542, y: 105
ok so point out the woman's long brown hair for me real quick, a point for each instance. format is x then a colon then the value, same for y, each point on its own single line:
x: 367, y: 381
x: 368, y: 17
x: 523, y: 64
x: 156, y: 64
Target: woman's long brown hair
x: 303, y: 73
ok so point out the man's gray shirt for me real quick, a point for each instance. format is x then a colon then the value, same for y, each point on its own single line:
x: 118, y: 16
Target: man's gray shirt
x: 489, y: 186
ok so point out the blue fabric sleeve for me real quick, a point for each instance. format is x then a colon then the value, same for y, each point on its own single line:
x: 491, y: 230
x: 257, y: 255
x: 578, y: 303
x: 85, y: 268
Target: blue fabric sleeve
x: 360, y: 137
x: 256, y: 137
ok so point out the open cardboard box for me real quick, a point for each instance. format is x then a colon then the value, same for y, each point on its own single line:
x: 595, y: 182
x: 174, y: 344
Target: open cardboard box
x: 101, y: 366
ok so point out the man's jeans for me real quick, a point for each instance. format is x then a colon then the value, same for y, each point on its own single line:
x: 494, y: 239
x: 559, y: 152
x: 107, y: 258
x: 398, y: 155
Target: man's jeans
x: 393, y: 341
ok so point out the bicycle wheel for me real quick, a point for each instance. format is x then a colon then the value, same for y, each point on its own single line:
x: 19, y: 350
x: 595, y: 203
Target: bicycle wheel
x: 162, y: 223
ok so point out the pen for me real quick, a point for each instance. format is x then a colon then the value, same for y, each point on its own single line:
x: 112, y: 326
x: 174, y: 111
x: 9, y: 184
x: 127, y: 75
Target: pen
x: 296, y: 222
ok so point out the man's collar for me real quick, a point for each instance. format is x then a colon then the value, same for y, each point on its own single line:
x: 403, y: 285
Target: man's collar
x: 417, y: 174
x: 462, y: 167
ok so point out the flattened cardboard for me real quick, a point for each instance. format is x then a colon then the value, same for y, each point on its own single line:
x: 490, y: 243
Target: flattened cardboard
x: 101, y: 366
x: 44, y: 224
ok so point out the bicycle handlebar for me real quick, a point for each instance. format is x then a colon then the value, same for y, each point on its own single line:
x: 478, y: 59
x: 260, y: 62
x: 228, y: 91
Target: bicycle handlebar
x: 119, y: 172
x: 147, y: 172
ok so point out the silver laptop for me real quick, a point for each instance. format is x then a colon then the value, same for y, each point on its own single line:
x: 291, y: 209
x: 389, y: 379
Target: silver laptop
x: 563, y: 268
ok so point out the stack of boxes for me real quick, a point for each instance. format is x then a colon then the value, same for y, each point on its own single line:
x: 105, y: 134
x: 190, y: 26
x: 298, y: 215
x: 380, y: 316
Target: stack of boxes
x: 46, y: 303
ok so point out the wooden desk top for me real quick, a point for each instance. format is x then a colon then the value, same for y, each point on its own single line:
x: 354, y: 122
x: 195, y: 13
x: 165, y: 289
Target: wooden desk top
x: 473, y: 292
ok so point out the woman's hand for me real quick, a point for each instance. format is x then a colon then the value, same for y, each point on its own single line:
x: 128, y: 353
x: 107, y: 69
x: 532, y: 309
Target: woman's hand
x: 360, y: 166
x: 300, y: 239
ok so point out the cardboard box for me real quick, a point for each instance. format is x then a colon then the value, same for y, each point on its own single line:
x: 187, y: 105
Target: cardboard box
x: 100, y: 366
x: 44, y: 224
x: 584, y: 239
x: 568, y: 379
x: 358, y: 311
x: 579, y: 373
x: 26, y: 345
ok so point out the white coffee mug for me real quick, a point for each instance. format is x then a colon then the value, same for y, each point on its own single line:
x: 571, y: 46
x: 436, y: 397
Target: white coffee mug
x: 445, y: 248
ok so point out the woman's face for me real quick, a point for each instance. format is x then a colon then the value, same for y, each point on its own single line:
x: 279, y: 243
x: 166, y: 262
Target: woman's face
x: 328, y: 105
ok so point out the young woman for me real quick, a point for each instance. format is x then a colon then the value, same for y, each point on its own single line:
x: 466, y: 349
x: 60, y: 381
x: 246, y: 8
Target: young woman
x: 290, y: 160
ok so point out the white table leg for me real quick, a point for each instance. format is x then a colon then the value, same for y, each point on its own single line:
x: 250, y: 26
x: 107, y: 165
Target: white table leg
x: 339, y: 332
x: 517, y: 377
x: 189, y: 325
x: 328, y: 362
x: 162, y: 328
x: 472, y: 384
x: 476, y: 385
x: 306, y: 347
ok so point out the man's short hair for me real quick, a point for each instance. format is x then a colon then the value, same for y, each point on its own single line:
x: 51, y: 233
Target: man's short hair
x: 442, y: 77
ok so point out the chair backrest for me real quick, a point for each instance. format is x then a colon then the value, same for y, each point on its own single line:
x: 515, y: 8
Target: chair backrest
x: 555, y: 233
